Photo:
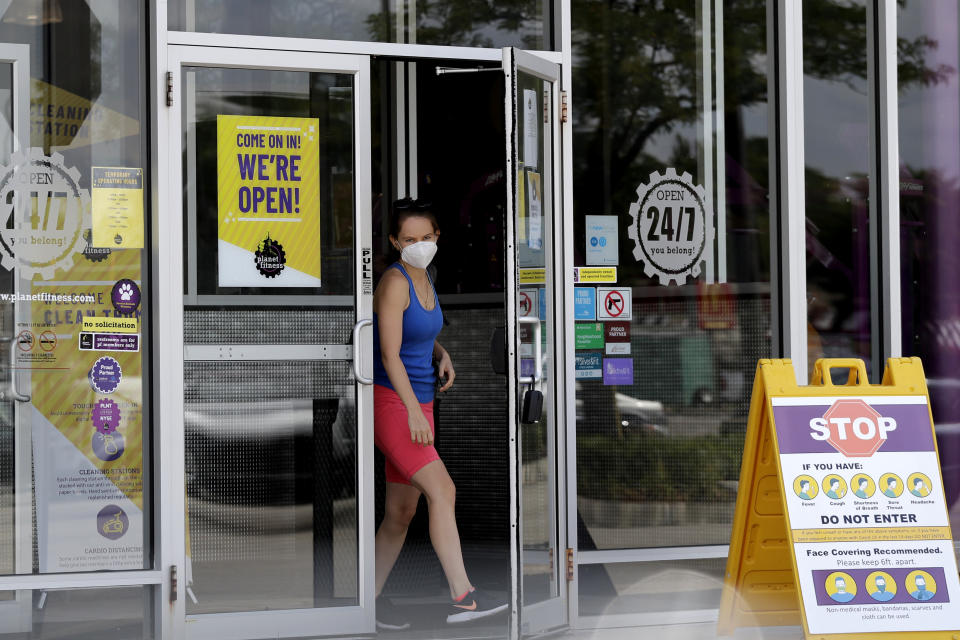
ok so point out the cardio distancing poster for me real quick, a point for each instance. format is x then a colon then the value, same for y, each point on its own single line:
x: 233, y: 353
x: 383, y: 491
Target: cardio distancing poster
x: 268, y: 199
x: 861, y: 499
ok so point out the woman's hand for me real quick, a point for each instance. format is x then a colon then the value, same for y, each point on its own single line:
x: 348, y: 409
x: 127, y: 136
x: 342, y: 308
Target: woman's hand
x: 445, y: 370
x: 420, y: 431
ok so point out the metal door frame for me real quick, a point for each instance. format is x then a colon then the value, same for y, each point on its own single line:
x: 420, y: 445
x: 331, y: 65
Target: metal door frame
x: 358, y: 619
x: 553, y: 612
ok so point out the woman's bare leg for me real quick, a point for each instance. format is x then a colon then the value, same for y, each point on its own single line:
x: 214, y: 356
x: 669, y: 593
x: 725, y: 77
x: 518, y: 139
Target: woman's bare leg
x: 435, y: 483
x: 399, y: 507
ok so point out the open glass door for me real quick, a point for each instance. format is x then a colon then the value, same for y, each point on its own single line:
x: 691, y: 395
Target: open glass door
x: 533, y: 200
x: 277, y: 283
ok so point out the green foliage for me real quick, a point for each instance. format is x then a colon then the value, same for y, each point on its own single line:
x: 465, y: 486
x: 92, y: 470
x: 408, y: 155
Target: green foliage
x: 651, y: 468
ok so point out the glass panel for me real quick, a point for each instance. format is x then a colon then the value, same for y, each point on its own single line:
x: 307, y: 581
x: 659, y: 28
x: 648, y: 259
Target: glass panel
x: 929, y: 111
x: 837, y: 143
x: 468, y: 198
x: 7, y: 432
x: 270, y: 444
x: 78, y: 614
x: 445, y: 22
x: 659, y: 439
x: 74, y: 294
x: 650, y: 587
x: 271, y: 485
x: 6, y: 112
x: 534, y: 241
x: 324, y: 98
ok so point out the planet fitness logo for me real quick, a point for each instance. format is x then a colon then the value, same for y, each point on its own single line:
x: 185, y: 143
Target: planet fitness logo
x: 270, y: 259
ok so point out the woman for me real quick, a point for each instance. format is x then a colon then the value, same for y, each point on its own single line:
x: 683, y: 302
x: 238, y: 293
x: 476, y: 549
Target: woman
x: 406, y: 322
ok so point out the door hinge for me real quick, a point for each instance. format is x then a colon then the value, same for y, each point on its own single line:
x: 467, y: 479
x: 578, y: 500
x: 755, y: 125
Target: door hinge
x: 563, y: 107
x: 569, y: 564
x: 173, y: 583
x: 546, y: 107
x: 169, y: 88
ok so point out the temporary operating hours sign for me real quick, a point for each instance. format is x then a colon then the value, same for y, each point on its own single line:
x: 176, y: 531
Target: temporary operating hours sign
x: 864, y: 504
x: 268, y: 201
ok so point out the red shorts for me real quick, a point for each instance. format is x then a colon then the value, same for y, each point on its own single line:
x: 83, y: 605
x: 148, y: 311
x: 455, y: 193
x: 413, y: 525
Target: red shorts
x: 391, y: 434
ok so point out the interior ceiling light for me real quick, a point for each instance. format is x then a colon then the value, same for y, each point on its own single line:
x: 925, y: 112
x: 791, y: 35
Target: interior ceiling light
x: 33, y: 13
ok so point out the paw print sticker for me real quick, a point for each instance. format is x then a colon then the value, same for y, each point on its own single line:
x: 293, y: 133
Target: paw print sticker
x: 125, y: 297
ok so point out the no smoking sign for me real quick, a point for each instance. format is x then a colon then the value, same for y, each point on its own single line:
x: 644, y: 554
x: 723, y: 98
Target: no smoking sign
x: 614, y: 304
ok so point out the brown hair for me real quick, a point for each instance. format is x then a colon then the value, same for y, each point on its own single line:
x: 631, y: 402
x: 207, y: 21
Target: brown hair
x: 409, y: 208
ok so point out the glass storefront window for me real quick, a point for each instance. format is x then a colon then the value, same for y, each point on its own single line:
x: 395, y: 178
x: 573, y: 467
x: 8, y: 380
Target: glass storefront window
x: 662, y: 398
x: 78, y: 614
x: 929, y: 113
x: 650, y: 587
x: 74, y: 289
x: 837, y: 152
x: 526, y: 24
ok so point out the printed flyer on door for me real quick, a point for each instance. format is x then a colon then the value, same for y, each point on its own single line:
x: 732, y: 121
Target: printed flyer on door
x: 86, y: 414
x: 867, y: 514
x: 268, y: 201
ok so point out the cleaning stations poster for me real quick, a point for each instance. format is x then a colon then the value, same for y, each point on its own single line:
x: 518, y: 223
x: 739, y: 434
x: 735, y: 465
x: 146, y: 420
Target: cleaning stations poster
x: 268, y: 201
x: 77, y: 373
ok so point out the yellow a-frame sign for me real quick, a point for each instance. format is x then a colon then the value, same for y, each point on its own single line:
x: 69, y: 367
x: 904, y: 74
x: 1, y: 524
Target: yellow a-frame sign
x: 841, y: 523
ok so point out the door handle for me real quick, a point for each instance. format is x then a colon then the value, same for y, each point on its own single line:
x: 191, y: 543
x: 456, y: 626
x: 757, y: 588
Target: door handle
x: 14, y: 392
x: 537, y: 350
x: 356, y: 351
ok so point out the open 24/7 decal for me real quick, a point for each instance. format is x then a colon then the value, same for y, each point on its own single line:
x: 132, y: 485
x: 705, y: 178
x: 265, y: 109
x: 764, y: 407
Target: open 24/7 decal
x: 50, y: 213
x: 672, y: 227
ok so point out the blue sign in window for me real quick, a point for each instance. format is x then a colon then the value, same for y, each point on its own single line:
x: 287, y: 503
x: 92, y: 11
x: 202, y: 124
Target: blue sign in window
x: 584, y: 303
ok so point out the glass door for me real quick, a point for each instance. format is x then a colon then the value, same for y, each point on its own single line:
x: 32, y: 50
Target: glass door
x: 532, y: 115
x: 16, y: 518
x: 277, y: 278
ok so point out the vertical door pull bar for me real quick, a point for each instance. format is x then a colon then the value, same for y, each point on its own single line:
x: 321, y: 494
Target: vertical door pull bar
x: 14, y: 392
x: 356, y: 351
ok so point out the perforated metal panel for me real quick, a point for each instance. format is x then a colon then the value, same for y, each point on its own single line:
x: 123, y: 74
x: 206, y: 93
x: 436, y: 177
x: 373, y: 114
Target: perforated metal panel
x: 259, y: 325
x: 271, y: 484
x: 7, y: 520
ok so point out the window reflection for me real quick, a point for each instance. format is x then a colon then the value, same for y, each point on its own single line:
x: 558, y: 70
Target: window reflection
x: 929, y: 110
x: 658, y: 456
x: 517, y: 23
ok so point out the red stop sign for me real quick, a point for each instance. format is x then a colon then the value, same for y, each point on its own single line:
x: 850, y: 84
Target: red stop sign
x: 855, y: 429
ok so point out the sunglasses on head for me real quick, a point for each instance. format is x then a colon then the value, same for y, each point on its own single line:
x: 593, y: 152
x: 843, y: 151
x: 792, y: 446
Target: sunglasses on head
x: 409, y: 204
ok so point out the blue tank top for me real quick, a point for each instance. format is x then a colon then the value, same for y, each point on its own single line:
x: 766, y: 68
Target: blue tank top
x: 420, y: 331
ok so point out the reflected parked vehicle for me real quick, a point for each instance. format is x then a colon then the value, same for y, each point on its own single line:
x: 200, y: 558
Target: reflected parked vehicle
x: 632, y: 415
x: 270, y: 451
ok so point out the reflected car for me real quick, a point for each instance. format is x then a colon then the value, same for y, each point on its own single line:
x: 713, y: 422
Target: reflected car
x: 635, y: 415
x: 270, y: 451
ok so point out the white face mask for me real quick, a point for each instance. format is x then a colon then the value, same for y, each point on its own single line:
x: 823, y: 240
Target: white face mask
x: 419, y: 254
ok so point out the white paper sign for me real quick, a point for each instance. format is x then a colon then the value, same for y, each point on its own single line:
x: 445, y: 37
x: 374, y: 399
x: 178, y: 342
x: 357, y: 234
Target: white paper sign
x: 535, y: 210
x: 531, y: 139
x: 602, y: 243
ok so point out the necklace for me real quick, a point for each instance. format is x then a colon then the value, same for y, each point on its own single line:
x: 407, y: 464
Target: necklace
x: 424, y: 291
